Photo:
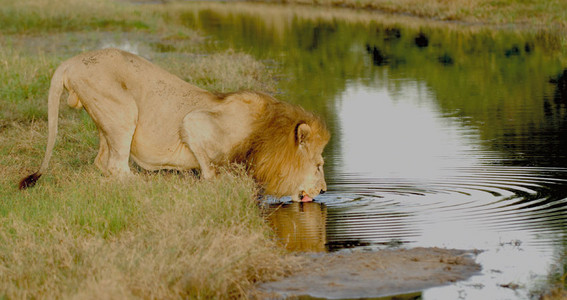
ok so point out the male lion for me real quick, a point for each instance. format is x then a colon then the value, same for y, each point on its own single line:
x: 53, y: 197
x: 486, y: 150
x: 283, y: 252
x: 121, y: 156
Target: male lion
x: 162, y: 122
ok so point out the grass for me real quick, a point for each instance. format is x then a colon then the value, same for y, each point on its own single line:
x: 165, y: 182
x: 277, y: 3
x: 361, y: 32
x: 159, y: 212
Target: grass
x: 245, y: 72
x: 165, y: 235
x: 160, y: 235
x: 533, y: 13
x: 157, y: 236
x: 80, y: 235
x: 33, y: 16
x: 25, y: 80
x: 557, y: 293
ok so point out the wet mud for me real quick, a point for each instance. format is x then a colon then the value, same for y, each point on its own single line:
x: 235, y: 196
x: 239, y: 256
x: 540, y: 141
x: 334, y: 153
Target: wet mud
x: 365, y: 274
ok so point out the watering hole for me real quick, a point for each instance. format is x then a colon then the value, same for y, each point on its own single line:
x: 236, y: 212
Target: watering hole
x: 442, y: 136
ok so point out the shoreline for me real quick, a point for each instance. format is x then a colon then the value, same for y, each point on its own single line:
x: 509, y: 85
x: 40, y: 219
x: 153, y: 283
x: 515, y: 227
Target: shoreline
x: 483, y: 12
x: 369, y: 274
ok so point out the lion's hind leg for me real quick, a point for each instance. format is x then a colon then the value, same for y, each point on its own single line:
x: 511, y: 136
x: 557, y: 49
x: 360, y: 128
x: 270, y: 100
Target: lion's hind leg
x: 101, y: 160
x: 116, y: 122
x: 114, y: 152
x: 114, y: 148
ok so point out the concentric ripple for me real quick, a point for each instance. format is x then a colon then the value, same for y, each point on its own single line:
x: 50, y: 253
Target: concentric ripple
x: 483, y: 201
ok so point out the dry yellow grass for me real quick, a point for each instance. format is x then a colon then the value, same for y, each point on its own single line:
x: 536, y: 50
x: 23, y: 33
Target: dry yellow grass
x: 79, y: 235
x: 211, y: 71
x: 540, y: 14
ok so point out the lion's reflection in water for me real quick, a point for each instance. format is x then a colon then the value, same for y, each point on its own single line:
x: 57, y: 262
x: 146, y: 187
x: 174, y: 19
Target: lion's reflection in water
x: 299, y: 226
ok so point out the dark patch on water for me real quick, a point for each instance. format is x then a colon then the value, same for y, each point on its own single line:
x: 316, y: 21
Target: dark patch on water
x: 446, y: 60
x: 421, y: 40
x: 378, y: 58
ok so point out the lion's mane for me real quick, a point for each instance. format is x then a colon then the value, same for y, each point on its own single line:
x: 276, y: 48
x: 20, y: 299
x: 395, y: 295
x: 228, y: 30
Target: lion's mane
x: 271, y: 152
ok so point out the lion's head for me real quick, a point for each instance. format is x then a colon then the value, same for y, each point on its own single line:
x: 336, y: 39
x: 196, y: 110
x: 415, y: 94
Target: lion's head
x: 284, y: 154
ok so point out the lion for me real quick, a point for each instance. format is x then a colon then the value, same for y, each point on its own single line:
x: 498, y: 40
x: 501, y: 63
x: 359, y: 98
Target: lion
x: 160, y: 121
x: 300, y: 226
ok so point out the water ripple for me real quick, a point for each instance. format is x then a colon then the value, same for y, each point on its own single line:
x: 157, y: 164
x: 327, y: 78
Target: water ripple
x: 488, y: 200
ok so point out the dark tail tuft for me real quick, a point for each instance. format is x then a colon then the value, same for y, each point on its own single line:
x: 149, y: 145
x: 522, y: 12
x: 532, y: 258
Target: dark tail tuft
x: 29, y: 181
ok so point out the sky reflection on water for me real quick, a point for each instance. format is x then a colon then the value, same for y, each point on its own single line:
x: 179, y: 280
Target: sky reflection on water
x: 401, y: 136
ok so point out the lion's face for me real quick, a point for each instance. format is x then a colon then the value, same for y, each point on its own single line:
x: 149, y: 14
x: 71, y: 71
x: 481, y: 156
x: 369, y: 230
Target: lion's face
x: 310, y: 141
x: 284, y: 154
x: 313, y: 180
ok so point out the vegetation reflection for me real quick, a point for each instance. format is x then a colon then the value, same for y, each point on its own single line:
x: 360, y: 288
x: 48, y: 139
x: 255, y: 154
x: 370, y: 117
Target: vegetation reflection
x: 508, y: 85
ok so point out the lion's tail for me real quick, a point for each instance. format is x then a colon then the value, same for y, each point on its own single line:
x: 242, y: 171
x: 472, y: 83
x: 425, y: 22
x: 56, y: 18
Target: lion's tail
x: 54, y: 99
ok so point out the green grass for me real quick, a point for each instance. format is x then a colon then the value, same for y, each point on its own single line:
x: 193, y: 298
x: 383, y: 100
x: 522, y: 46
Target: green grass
x: 78, y: 234
x: 158, y: 235
x: 33, y: 16
x: 25, y: 80
x: 164, y: 235
x: 155, y: 236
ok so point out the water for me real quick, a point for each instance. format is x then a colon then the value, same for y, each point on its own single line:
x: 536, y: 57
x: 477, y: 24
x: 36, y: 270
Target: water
x: 443, y: 136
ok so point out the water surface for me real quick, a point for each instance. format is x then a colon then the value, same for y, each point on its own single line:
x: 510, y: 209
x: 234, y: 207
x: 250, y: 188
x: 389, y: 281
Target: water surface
x: 442, y: 136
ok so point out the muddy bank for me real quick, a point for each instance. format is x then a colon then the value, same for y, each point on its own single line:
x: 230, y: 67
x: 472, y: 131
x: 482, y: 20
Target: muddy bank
x: 373, y: 274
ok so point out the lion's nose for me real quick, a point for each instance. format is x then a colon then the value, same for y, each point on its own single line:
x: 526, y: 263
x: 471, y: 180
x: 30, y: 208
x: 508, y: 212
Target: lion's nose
x: 322, y: 192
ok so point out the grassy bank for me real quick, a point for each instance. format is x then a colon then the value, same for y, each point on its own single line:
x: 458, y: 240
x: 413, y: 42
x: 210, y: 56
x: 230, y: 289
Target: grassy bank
x: 550, y: 14
x: 81, y: 235
x: 158, y: 236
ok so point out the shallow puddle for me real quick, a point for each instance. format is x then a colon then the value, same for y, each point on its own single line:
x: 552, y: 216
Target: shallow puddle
x: 443, y: 136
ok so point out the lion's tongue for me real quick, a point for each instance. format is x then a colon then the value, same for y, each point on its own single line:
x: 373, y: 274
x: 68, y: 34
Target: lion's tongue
x: 306, y: 198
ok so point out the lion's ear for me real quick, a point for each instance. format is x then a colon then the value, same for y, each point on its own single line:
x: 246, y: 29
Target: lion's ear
x: 302, y: 134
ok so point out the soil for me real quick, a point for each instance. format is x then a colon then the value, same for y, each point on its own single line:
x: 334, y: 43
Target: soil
x: 373, y: 274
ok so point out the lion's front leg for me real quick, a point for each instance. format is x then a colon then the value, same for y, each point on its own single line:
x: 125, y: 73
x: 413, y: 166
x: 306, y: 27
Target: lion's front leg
x: 203, y: 135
